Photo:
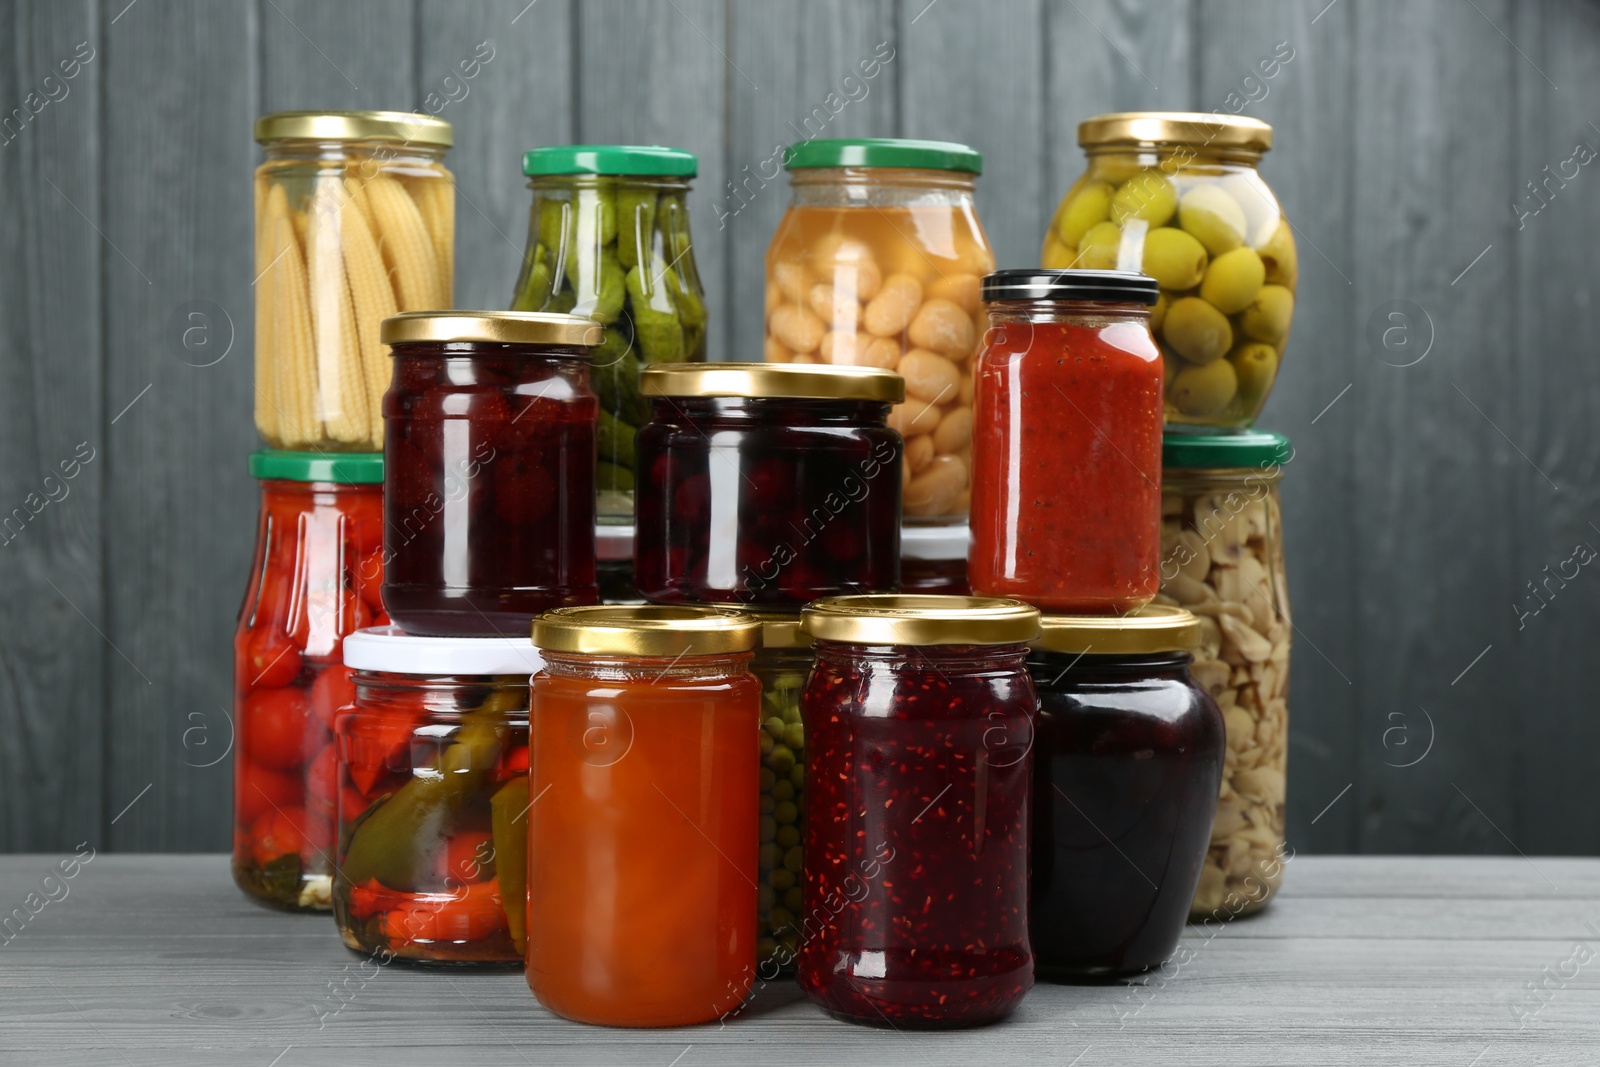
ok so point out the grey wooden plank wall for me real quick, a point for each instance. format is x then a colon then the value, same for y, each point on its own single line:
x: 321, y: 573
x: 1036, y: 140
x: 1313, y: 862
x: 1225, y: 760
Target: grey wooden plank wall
x: 1421, y: 503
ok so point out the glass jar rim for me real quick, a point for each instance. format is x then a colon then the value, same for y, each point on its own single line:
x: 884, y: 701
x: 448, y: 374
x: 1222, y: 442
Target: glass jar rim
x: 404, y: 127
x: 1151, y: 629
x: 665, y: 631
x: 918, y: 620
x: 393, y: 651
x: 491, y: 327
x: 759, y: 381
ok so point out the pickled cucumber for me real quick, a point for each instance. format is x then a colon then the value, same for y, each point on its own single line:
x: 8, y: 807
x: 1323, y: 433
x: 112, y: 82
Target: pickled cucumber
x: 533, y: 288
x: 655, y: 318
x: 608, y: 477
x: 636, y: 223
x: 615, y: 440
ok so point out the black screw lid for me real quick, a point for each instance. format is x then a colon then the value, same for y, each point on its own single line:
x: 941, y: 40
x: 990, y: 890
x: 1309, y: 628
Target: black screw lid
x: 1119, y: 286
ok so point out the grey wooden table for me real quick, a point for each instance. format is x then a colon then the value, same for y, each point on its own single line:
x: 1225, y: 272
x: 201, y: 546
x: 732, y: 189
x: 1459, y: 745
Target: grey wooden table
x: 1373, y: 960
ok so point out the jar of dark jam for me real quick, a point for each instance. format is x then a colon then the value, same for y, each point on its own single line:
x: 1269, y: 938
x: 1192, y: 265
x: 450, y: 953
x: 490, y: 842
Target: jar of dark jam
x: 919, y: 717
x: 489, y: 500
x: 767, y: 486
x: 1126, y: 766
x: 933, y: 559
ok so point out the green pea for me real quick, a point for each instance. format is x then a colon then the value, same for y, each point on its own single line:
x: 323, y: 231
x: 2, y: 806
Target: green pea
x: 794, y: 735
x: 1267, y: 318
x: 782, y: 790
x: 766, y: 898
x: 792, y: 713
x: 767, y: 745
x: 788, y: 836
x: 791, y: 899
x: 781, y: 759
x: 780, y: 918
x: 1099, y: 248
x: 797, y: 775
x: 782, y: 878
x: 794, y: 859
x: 1233, y: 280
x: 1214, y: 217
x: 1148, y: 195
x: 1256, y: 365
x: 774, y: 725
x: 768, y: 779
x: 766, y: 805
x: 1197, y: 331
x: 769, y: 828
x: 1083, y: 209
x: 1203, y: 391
x: 787, y: 811
x: 766, y: 948
x: 1173, y: 258
x: 770, y: 855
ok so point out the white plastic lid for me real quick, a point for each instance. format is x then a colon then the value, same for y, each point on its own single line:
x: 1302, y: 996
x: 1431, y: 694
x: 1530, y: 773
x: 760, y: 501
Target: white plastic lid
x: 613, y: 542
x: 934, y: 542
x: 388, y: 649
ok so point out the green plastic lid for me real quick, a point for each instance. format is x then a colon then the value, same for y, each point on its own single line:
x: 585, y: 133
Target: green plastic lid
x: 620, y: 159
x: 1249, y: 448
x: 883, y: 152
x: 341, y: 468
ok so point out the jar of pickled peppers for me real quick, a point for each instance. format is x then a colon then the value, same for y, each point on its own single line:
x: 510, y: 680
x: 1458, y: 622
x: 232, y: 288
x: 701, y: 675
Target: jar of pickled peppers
x: 643, y: 838
x: 433, y: 798
x: 1127, y: 758
x: 768, y: 486
x: 781, y: 663
x: 877, y: 263
x: 489, y: 501
x: 1178, y: 196
x: 355, y: 221
x: 1067, y: 452
x: 608, y: 238
x: 919, y: 717
x: 315, y: 578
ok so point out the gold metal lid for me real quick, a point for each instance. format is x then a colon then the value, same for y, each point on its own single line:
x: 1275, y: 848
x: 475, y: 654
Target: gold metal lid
x: 1194, y: 128
x: 406, y: 127
x: 896, y: 619
x: 491, y: 327
x: 652, y: 630
x: 1153, y: 628
x: 795, y: 380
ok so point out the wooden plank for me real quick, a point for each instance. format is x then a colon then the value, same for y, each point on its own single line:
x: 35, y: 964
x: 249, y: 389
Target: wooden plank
x: 804, y: 54
x: 521, y: 97
x: 180, y: 512
x: 52, y: 660
x: 356, y: 54
x: 660, y: 74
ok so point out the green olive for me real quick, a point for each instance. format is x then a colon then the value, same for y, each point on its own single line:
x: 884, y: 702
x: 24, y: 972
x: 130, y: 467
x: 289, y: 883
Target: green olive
x: 1267, y: 317
x: 791, y: 899
x: 1214, y: 217
x: 794, y: 735
x: 781, y: 759
x: 778, y: 918
x: 1256, y: 365
x: 1158, y: 311
x: 788, y: 836
x: 791, y: 713
x: 767, y: 744
x: 1173, y: 258
x: 1233, y: 280
x: 768, y: 779
x: 1201, y: 392
x: 782, y: 790
x: 766, y: 805
x: 1083, y: 209
x: 769, y: 828
x: 774, y: 725
x: 786, y: 812
x: 766, y: 898
x: 782, y: 878
x: 770, y: 855
x: 1283, y: 262
x: 797, y: 775
x: 794, y: 859
x: 1148, y: 195
x: 1099, y: 248
x: 1197, y: 331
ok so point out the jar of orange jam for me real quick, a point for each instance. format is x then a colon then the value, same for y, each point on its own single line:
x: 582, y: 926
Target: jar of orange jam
x: 641, y: 835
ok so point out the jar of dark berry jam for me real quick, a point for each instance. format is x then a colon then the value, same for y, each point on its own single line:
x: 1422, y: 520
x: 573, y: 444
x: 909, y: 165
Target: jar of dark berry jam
x: 919, y: 717
x: 767, y: 485
x: 933, y: 559
x: 1126, y: 766
x: 489, y: 501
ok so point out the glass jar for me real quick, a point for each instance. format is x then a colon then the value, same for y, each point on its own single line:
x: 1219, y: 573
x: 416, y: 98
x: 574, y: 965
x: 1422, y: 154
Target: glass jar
x: 613, y: 554
x: 1068, y: 448
x: 490, y: 497
x: 933, y: 559
x: 876, y: 263
x: 1178, y: 196
x: 433, y: 798
x: 642, y: 847
x: 919, y: 717
x: 1222, y: 558
x: 782, y: 663
x: 608, y: 237
x: 315, y: 578
x: 768, y: 486
x: 355, y: 221
x: 1126, y: 760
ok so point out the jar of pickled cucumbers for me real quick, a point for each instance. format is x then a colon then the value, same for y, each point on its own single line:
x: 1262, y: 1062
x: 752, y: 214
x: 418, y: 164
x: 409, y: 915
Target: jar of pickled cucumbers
x: 433, y: 798
x: 781, y: 663
x: 608, y: 237
x: 316, y: 577
x: 1222, y: 558
x: 877, y: 263
x: 1178, y: 196
x: 355, y: 221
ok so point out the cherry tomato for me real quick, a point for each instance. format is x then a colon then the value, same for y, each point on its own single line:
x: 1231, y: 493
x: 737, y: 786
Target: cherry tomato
x: 474, y: 913
x: 375, y: 745
x: 468, y: 857
x: 515, y: 761
x: 369, y: 580
x: 258, y: 789
x: 278, y: 729
x: 280, y: 832
x: 332, y: 690
x: 363, y: 529
x: 271, y: 660
x: 322, y: 781
x: 352, y: 805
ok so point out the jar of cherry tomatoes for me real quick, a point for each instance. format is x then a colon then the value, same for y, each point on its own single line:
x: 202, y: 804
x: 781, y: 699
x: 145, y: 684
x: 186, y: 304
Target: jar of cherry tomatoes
x: 876, y: 263
x: 933, y: 559
x: 316, y: 575
x: 1067, y: 493
x: 919, y: 718
x: 433, y: 798
x: 642, y: 845
x: 1127, y: 759
x: 768, y: 486
x: 781, y: 663
x: 489, y: 502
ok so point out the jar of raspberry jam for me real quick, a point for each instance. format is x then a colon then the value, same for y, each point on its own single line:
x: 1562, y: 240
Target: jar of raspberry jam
x: 1066, y: 484
x: 768, y: 485
x: 489, y: 500
x: 1126, y: 766
x: 933, y: 559
x: 919, y: 718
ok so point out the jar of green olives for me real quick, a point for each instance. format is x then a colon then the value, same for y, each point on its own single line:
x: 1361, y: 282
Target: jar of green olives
x: 781, y: 663
x: 1178, y: 196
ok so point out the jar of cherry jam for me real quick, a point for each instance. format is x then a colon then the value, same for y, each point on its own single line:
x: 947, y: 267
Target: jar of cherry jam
x: 767, y: 486
x: 919, y: 717
x: 1066, y: 485
x: 489, y: 499
x: 1126, y: 765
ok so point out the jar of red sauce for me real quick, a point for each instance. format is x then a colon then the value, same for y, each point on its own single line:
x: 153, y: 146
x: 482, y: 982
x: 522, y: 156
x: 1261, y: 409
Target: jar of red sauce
x: 919, y: 717
x: 490, y: 446
x: 767, y: 485
x: 933, y: 559
x: 1066, y: 495
x: 642, y: 836
x: 1126, y: 763
x: 317, y: 570
x: 433, y: 798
